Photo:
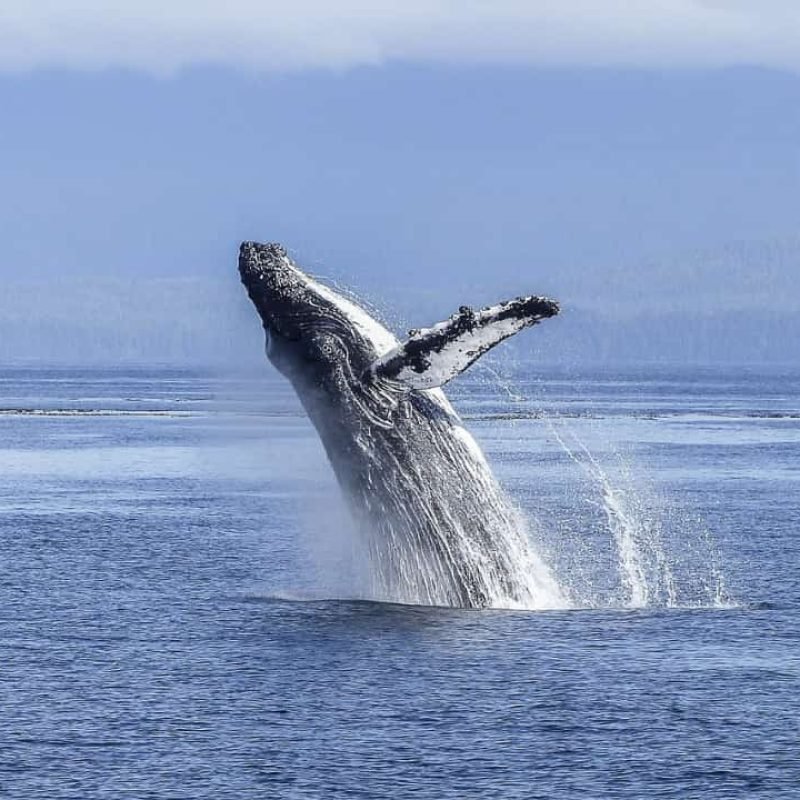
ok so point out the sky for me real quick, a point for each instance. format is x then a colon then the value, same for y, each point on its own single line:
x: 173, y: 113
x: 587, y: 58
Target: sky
x: 638, y: 161
x: 163, y: 37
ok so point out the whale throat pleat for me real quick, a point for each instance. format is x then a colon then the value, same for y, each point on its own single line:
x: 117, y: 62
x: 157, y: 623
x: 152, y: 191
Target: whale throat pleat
x: 433, y: 356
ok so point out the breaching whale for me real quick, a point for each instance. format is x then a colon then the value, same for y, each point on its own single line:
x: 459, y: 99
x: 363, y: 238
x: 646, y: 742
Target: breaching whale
x: 436, y: 523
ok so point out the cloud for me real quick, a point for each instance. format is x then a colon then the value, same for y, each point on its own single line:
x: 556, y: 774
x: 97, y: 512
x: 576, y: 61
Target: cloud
x: 163, y: 36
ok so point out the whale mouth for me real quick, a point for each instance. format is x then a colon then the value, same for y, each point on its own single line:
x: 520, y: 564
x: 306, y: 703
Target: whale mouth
x: 278, y: 289
x: 271, y: 279
x: 257, y: 260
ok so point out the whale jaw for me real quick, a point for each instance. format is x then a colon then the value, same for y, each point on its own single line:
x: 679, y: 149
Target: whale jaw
x: 257, y: 261
x: 272, y: 282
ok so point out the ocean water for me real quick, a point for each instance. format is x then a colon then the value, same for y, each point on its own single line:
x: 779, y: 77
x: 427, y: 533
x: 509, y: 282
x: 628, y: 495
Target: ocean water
x: 183, y: 613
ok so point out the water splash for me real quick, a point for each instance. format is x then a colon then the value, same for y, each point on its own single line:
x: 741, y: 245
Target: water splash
x: 455, y: 547
x: 662, y: 555
x: 645, y: 572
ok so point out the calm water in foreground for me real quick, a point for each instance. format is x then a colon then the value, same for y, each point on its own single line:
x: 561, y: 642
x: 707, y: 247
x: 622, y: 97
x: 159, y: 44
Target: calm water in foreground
x: 183, y: 610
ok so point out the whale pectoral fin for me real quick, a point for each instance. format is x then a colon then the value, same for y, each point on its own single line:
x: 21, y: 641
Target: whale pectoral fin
x: 432, y: 356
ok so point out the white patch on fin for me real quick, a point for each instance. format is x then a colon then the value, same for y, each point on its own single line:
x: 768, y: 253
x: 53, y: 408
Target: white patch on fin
x: 432, y: 356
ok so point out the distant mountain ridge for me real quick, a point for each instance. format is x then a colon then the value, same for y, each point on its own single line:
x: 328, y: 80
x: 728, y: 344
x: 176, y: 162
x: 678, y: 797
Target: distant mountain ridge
x: 740, y: 304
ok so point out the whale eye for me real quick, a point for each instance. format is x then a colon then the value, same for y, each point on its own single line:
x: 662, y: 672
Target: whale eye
x: 328, y: 346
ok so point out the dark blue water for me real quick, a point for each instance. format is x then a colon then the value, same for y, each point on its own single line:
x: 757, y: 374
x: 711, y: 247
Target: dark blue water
x: 175, y: 571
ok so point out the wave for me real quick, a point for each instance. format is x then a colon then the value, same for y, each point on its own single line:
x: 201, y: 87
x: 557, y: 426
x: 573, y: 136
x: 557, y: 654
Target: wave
x: 93, y: 412
x: 728, y: 416
x: 489, y: 416
x: 306, y: 598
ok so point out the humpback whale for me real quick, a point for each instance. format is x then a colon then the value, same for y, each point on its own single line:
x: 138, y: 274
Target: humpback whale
x: 436, y: 523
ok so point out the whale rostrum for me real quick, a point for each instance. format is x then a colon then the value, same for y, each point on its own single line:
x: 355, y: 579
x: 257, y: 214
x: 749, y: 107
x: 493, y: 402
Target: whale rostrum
x: 437, y: 526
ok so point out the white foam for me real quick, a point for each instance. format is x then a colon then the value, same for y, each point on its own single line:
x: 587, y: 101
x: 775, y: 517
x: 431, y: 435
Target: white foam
x: 382, y: 340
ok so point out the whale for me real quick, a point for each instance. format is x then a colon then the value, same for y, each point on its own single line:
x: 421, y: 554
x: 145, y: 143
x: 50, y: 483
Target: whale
x: 437, y: 526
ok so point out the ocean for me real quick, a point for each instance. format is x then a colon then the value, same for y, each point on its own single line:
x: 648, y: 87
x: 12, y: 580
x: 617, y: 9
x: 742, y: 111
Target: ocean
x: 185, y: 609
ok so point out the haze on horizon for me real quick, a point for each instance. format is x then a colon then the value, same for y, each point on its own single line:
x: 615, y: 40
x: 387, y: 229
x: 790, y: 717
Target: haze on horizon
x: 642, y: 165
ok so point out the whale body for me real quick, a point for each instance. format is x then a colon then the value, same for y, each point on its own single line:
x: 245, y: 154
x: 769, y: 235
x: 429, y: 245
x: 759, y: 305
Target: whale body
x: 437, y: 525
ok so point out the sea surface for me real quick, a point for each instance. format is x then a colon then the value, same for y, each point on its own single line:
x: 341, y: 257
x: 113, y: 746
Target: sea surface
x: 184, y: 611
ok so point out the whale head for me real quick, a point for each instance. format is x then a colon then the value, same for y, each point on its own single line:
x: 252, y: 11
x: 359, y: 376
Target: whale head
x: 313, y: 333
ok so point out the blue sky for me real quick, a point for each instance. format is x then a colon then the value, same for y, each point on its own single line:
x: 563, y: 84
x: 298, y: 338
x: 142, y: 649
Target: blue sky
x: 637, y: 165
